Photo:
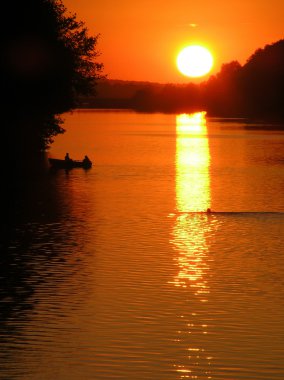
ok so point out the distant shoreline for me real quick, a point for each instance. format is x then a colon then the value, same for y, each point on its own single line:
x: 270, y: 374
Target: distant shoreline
x: 252, y: 122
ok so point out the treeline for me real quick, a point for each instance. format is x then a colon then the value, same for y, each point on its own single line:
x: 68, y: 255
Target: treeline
x: 143, y: 96
x: 254, y: 90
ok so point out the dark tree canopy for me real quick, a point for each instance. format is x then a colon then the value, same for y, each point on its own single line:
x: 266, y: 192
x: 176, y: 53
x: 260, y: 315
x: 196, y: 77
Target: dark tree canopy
x: 220, y: 94
x: 262, y: 81
x: 254, y: 90
x: 48, y: 61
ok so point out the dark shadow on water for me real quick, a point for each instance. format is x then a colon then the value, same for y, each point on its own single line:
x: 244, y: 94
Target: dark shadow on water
x: 41, y: 237
x: 33, y: 206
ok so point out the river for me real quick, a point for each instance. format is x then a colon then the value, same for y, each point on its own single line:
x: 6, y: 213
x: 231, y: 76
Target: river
x: 117, y: 272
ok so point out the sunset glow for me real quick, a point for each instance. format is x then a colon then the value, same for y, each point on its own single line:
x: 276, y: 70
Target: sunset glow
x: 143, y: 219
x: 194, y: 61
x: 140, y: 40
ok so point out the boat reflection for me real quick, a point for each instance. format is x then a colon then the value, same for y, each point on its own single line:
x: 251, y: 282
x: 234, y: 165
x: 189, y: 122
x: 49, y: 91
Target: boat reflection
x: 189, y: 237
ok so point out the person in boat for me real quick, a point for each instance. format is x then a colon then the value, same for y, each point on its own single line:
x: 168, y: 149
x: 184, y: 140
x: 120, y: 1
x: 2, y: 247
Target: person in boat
x: 86, y: 161
x: 67, y: 157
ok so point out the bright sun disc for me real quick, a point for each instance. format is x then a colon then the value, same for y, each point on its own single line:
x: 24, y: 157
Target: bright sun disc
x: 194, y: 61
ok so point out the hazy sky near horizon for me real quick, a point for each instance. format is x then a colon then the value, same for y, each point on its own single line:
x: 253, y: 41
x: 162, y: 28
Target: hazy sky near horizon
x: 140, y: 40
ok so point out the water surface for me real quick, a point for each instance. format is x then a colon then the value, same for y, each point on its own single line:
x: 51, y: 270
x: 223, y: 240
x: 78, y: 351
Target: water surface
x: 117, y: 273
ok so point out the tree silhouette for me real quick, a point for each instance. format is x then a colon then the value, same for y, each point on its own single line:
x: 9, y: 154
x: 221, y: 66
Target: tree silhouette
x: 221, y: 94
x: 262, y: 82
x: 48, y: 60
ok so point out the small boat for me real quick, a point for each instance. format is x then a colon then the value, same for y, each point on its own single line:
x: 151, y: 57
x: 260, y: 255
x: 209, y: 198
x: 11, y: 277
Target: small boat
x: 69, y: 164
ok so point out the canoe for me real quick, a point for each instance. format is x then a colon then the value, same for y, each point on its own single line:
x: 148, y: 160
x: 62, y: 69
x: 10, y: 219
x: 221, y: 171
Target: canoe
x: 70, y: 164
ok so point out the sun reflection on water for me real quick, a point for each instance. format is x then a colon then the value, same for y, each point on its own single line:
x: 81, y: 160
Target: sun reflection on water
x: 192, y: 163
x: 190, y: 231
x: 192, y: 195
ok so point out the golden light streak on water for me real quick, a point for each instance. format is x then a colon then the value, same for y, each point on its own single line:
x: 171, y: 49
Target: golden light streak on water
x: 192, y: 194
x: 192, y: 163
x: 189, y: 231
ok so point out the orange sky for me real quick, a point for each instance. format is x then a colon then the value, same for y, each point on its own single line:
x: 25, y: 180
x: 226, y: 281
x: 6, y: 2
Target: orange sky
x: 140, y: 39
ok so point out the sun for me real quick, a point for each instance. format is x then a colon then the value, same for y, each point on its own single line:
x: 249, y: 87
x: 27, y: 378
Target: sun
x: 194, y: 61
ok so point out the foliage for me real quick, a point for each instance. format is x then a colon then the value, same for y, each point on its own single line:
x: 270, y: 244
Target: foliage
x: 220, y: 94
x: 81, y: 51
x: 51, y: 127
x: 262, y: 81
x: 255, y: 90
x: 48, y: 62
